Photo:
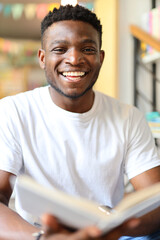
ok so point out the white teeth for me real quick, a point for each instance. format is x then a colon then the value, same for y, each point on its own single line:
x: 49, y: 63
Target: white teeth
x: 74, y: 74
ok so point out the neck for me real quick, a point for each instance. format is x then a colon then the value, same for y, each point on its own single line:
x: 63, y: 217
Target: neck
x: 77, y: 105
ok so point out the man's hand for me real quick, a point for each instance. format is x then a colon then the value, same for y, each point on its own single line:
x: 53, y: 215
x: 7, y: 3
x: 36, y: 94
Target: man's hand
x: 56, y: 231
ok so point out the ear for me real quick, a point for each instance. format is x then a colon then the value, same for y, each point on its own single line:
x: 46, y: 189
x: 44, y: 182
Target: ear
x: 41, y: 57
x: 102, y: 55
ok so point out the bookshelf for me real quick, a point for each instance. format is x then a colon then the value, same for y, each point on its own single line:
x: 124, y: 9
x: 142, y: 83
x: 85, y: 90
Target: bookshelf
x: 139, y: 35
x: 143, y: 36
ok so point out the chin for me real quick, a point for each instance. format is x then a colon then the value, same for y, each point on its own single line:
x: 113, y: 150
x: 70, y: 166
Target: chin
x: 71, y: 93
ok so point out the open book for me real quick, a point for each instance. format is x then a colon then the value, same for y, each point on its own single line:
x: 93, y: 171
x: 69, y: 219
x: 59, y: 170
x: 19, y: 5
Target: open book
x: 78, y: 212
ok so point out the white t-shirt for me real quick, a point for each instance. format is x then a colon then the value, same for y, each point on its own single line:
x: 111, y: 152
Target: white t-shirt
x: 83, y: 154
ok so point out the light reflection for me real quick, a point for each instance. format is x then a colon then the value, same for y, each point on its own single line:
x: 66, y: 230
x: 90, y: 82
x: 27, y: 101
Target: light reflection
x: 71, y: 2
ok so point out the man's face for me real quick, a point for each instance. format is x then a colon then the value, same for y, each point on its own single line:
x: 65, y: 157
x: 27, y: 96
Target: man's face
x: 71, y: 57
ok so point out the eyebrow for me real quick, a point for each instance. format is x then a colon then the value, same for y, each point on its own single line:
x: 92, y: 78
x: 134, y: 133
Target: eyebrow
x: 58, y: 41
x: 89, y: 41
x: 66, y: 42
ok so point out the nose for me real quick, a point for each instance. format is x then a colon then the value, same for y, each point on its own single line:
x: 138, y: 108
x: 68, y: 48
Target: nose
x: 74, y: 57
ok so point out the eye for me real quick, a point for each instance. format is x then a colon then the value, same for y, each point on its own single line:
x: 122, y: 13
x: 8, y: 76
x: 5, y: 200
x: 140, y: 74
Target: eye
x: 89, y: 50
x: 59, y: 50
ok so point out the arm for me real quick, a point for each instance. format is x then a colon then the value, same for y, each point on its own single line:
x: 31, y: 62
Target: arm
x: 146, y: 224
x: 12, y: 226
x: 151, y: 221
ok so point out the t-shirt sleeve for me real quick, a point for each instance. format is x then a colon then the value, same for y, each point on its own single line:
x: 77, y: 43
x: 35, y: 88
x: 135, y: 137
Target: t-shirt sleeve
x: 141, y: 152
x: 10, y: 150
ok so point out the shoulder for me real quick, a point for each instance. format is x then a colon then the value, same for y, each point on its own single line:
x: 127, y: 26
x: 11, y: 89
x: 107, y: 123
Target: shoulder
x: 23, y: 100
x: 115, y: 107
x: 23, y: 105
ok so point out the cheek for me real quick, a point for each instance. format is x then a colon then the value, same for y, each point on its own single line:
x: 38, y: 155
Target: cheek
x: 96, y: 69
x: 50, y: 68
x: 96, y: 65
x: 95, y: 61
x: 53, y: 61
x: 49, y: 71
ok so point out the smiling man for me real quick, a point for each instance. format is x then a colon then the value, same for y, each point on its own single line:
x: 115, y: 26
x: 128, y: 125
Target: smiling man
x: 71, y: 57
x: 70, y: 137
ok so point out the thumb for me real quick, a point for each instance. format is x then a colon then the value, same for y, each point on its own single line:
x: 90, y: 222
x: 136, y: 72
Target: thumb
x: 50, y: 224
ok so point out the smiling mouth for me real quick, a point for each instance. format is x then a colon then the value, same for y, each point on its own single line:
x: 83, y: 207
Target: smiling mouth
x: 74, y: 76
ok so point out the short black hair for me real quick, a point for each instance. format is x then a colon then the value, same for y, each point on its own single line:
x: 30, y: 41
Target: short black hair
x: 75, y: 13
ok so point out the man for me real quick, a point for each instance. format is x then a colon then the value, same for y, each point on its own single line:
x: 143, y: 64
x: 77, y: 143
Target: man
x: 70, y: 137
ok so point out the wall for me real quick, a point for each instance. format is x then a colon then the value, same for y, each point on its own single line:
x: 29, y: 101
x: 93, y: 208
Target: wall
x: 130, y: 12
x: 106, y: 10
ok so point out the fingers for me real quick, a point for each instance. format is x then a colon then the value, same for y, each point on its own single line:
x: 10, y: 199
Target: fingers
x: 57, y: 231
x: 50, y: 221
x: 50, y: 224
x: 54, y: 230
x: 125, y: 229
x: 85, y: 234
x: 133, y: 223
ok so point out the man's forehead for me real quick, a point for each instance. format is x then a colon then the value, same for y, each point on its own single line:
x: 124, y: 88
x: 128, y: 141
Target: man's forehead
x: 72, y: 25
x: 66, y: 29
